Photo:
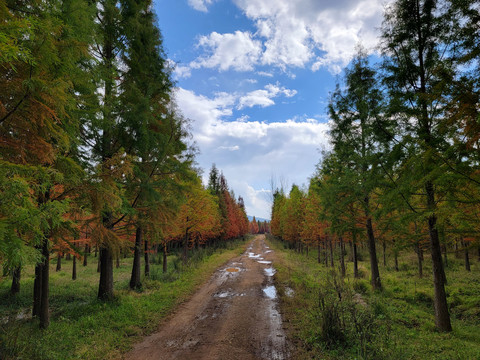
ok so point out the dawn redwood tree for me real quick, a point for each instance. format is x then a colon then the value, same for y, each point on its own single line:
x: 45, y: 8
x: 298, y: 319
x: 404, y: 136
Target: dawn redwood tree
x: 295, y: 213
x: 41, y: 73
x: 360, y: 141
x: 152, y: 131
x: 416, y: 44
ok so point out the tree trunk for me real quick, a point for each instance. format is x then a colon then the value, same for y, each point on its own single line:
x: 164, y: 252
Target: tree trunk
x: 37, y: 289
x: 376, y: 283
x: 395, y: 255
x: 16, y: 274
x: 442, y: 317
x: 105, y: 285
x: 135, y: 282
x: 59, y: 262
x: 44, y: 313
x: 165, y: 258
x: 74, y: 268
x: 342, y: 260
x: 96, y: 250
x: 467, y: 259
x: 350, y: 256
x: 68, y: 257
x: 326, y: 250
x: 117, y: 260
x: 185, y: 245
x: 355, y: 261
x: 331, y: 251
x: 147, y: 259
x: 85, y: 256
x: 319, y: 249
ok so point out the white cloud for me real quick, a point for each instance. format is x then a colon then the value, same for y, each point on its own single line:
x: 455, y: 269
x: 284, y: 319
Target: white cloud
x: 264, y: 73
x: 200, y: 5
x: 248, y: 152
x: 264, y: 97
x: 237, y: 51
x: 294, y: 33
x: 230, y: 148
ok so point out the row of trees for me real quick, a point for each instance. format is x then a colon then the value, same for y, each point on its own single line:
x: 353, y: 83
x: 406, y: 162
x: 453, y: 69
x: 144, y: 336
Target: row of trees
x: 92, y: 146
x: 404, y: 162
x: 259, y: 227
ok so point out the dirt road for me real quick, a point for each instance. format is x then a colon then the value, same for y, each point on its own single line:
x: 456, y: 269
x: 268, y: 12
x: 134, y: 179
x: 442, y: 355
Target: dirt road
x: 233, y: 316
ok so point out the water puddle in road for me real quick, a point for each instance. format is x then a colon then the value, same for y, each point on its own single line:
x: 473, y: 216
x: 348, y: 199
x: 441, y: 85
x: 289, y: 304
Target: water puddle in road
x: 270, y: 271
x: 224, y: 294
x: 252, y: 255
x: 232, y: 269
x: 264, y: 262
x: 227, y: 294
x: 270, y: 292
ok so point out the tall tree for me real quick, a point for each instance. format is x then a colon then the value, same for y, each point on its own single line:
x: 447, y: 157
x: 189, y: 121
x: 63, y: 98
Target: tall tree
x: 41, y: 71
x: 416, y: 45
x: 360, y: 142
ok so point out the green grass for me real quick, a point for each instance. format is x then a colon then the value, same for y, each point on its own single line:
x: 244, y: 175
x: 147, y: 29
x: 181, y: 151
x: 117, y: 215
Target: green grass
x: 85, y: 328
x: 396, y: 323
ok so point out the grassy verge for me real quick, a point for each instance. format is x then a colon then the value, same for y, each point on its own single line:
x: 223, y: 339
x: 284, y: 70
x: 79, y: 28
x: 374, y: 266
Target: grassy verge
x: 333, y: 319
x: 84, y: 328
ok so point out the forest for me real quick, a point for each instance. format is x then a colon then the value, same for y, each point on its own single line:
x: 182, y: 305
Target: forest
x: 402, y: 174
x: 95, y: 157
x: 98, y: 175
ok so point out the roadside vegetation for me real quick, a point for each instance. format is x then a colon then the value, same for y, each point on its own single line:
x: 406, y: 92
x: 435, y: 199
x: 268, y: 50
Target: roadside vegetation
x: 83, y: 327
x: 330, y: 317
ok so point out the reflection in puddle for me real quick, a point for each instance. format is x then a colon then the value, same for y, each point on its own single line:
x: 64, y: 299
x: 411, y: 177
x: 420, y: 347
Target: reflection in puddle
x: 268, y: 251
x: 232, y: 269
x: 289, y: 291
x: 270, y: 292
x: 264, y: 262
x: 270, y: 271
x: 252, y: 255
x: 224, y: 294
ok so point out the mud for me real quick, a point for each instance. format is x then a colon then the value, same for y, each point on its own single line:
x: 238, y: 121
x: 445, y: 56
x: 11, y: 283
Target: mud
x: 235, y: 315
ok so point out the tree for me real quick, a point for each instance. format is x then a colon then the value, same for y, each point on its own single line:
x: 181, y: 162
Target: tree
x: 150, y: 126
x: 415, y: 36
x: 39, y: 124
x: 360, y: 141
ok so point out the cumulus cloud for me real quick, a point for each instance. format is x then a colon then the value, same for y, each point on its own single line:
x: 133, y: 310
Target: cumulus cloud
x: 200, y: 5
x: 237, y: 51
x: 248, y: 152
x: 264, y: 97
x: 294, y: 33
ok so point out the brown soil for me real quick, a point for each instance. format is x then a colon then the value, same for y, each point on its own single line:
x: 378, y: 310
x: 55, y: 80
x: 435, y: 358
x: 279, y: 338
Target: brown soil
x: 230, y: 317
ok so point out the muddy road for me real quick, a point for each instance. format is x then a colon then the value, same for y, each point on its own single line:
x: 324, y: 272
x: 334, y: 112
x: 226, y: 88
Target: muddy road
x: 233, y: 316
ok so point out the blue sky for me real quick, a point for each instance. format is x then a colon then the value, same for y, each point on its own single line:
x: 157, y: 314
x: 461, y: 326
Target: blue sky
x: 253, y: 76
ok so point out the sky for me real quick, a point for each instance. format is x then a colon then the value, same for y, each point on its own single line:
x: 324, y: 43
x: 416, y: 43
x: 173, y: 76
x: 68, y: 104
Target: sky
x: 254, y: 77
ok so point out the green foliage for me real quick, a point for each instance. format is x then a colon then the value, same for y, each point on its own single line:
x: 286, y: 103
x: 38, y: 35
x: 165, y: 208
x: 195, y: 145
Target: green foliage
x: 396, y: 323
x: 85, y: 328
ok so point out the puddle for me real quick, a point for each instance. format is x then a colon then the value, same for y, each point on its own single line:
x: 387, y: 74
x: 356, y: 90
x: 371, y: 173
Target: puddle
x: 270, y: 292
x: 232, y: 269
x: 252, y: 255
x: 224, y: 294
x: 289, y: 291
x: 268, y: 251
x: 270, y: 271
x: 264, y: 262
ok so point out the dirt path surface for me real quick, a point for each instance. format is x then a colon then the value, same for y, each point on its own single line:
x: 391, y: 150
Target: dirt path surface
x: 233, y: 316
